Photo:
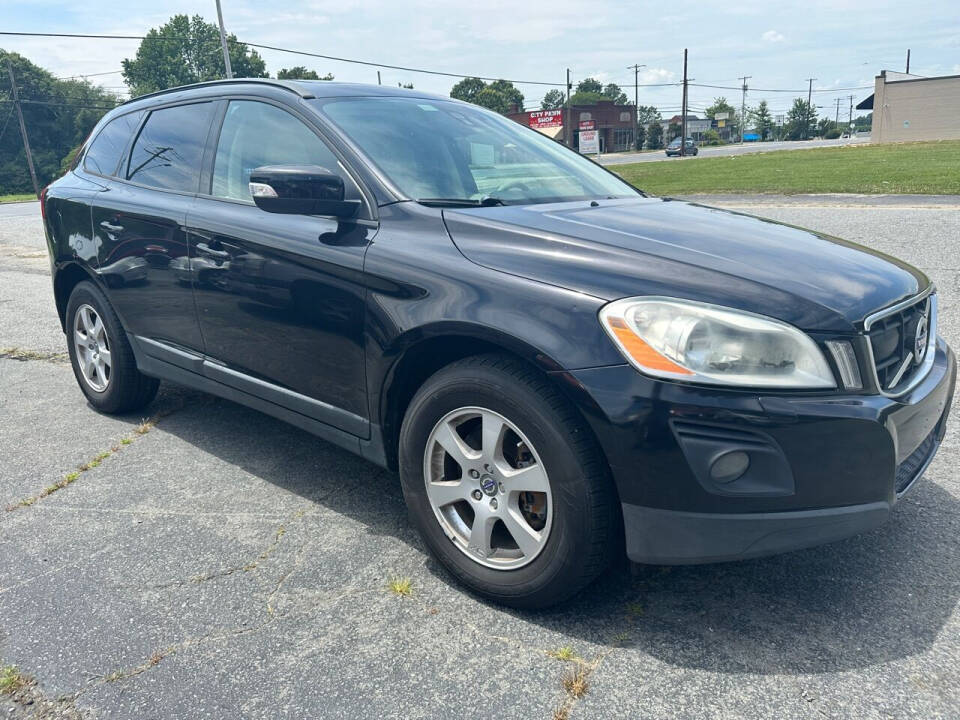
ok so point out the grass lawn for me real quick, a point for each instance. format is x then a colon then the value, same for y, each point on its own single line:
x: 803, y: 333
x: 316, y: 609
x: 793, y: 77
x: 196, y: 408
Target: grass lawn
x: 17, y: 198
x: 921, y: 168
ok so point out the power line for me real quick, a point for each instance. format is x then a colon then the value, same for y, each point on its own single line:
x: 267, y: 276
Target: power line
x: 89, y: 75
x: 169, y: 38
x: 816, y: 90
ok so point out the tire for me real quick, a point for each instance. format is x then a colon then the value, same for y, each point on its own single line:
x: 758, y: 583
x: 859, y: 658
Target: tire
x: 577, y: 530
x: 118, y: 386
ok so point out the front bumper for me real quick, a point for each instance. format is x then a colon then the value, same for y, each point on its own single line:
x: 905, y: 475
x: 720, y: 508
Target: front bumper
x: 822, y: 467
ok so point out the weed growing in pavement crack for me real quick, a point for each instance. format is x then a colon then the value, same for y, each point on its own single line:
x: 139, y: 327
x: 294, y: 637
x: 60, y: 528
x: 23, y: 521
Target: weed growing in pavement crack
x: 565, y: 654
x: 400, y: 586
x: 142, y: 429
x: 575, y: 681
x: 11, y: 680
x: 22, y: 355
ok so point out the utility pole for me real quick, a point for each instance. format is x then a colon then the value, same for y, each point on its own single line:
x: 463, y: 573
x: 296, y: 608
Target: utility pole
x: 836, y: 121
x: 223, y: 42
x: 850, y: 119
x: 23, y: 129
x: 743, y: 105
x: 568, y: 132
x: 378, y: 77
x: 806, y: 125
x: 683, y: 110
x: 636, y: 101
x: 908, y: 61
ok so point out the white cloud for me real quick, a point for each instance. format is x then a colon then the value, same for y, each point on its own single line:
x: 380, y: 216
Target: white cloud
x: 772, y: 36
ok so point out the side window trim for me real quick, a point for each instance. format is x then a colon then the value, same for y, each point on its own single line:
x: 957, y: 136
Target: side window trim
x: 213, y: 140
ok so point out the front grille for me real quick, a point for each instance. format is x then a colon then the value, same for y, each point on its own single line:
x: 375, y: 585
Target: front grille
x: 892, y: 339
x: 908, y: 470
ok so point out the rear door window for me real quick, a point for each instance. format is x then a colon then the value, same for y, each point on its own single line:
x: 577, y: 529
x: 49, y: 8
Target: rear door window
x: 169, y: 150
x: 103, y: 157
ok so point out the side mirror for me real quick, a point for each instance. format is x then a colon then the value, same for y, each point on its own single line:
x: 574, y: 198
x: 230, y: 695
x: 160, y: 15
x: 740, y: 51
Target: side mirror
x: 300, y: 190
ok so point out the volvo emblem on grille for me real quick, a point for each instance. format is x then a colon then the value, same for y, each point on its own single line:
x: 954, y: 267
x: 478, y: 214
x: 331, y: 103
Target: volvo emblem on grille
x: 920, y: 339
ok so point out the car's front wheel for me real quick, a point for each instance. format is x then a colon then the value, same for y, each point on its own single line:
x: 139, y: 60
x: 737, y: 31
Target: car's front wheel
x: 505, y: 483
x: 101, y: 356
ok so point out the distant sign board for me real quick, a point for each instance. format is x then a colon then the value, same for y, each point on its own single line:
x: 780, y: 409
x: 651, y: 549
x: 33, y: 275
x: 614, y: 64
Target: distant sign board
x: 545, y: 119
x: 588, y: 125
x: 722, y: 116
x: 590, y: 142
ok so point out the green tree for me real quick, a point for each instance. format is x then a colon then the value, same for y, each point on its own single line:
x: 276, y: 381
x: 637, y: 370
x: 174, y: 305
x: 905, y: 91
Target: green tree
x: 673, y: 131
x: 59, y: 115
x: 800, y: 119
x: 711, y: 137
x: 553, y: 100
x: 863, y: 122
x: 499, y: 96
x: 186, y: 50
x: 647, y: 114
x: 641, y: 136
x: 655, y: 136
x: 589, y: 92
x: 467, y: 89
x: 613, y: 92
x: 299, y: 72
x: 590, y: 85
x: 720, y: 106
x: 762, y: 119
x: 824, y: 125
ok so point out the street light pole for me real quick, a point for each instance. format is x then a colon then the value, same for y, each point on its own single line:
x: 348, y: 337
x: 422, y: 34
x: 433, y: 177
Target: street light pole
x: 636, y: 102
x: 223, y: 43
x: 806, y: 125
x: 743, y: 105
x: 568, y: 131
x: 683, y: 111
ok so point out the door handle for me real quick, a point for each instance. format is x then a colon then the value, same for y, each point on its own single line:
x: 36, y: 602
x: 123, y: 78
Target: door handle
x: 110, y: 227
x: 207, y: 250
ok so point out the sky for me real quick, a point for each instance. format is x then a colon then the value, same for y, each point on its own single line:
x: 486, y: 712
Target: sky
x: 841, y: 43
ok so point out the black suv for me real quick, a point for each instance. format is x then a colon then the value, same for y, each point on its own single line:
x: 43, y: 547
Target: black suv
x: 554, y: 362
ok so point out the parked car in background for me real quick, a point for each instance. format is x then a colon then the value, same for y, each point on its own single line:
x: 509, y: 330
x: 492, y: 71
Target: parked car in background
x: 557, y: 365
x: 673, y: 148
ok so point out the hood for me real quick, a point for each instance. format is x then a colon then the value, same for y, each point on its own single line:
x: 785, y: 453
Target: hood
x: 653, y: 246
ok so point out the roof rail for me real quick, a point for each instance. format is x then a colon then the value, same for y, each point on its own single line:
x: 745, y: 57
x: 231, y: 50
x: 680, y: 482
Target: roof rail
x: 284, y: 84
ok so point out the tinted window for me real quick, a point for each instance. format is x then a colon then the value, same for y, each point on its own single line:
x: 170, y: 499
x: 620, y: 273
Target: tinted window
x: 256, y: 134
x: 169, y: 149
x: 437, y: 149
x: 103, y: 157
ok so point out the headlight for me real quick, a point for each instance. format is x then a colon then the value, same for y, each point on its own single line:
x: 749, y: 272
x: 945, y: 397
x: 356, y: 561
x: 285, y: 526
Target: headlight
x: 685, y: 340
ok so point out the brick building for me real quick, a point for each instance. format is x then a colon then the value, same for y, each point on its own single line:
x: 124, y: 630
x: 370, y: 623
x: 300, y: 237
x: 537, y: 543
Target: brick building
x: 616, y: 124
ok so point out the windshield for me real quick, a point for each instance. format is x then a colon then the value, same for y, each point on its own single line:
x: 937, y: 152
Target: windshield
x: 447, y: 151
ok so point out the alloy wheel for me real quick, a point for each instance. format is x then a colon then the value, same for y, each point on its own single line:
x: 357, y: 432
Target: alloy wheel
x: 92, y: 348
x: 488, y: 488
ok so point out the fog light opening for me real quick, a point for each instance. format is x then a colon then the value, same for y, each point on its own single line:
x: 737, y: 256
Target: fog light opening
x: 729, y: 466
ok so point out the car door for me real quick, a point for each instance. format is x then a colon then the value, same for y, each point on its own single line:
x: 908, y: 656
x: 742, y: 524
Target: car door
x: 138, y: 224
x: 280, y: 298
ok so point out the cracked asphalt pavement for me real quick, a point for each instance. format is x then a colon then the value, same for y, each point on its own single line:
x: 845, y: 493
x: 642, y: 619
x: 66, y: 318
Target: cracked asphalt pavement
x: 213, y: 562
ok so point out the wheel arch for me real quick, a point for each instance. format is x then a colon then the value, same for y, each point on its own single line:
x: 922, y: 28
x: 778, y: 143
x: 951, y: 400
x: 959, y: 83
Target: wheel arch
x: 65, y: 280
x: 419, y: 354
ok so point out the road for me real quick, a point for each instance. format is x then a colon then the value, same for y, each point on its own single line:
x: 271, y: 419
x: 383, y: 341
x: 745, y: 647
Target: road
x: 723, y: 150
x: 217, y: 563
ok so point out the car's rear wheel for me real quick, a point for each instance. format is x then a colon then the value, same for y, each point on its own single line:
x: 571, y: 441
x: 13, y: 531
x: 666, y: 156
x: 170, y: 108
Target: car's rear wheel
x: 505, y: 484
x: 100, y: 354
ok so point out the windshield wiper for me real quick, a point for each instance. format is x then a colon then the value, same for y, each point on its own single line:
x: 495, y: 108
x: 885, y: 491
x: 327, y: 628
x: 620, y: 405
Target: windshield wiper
x: 487, y: 201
